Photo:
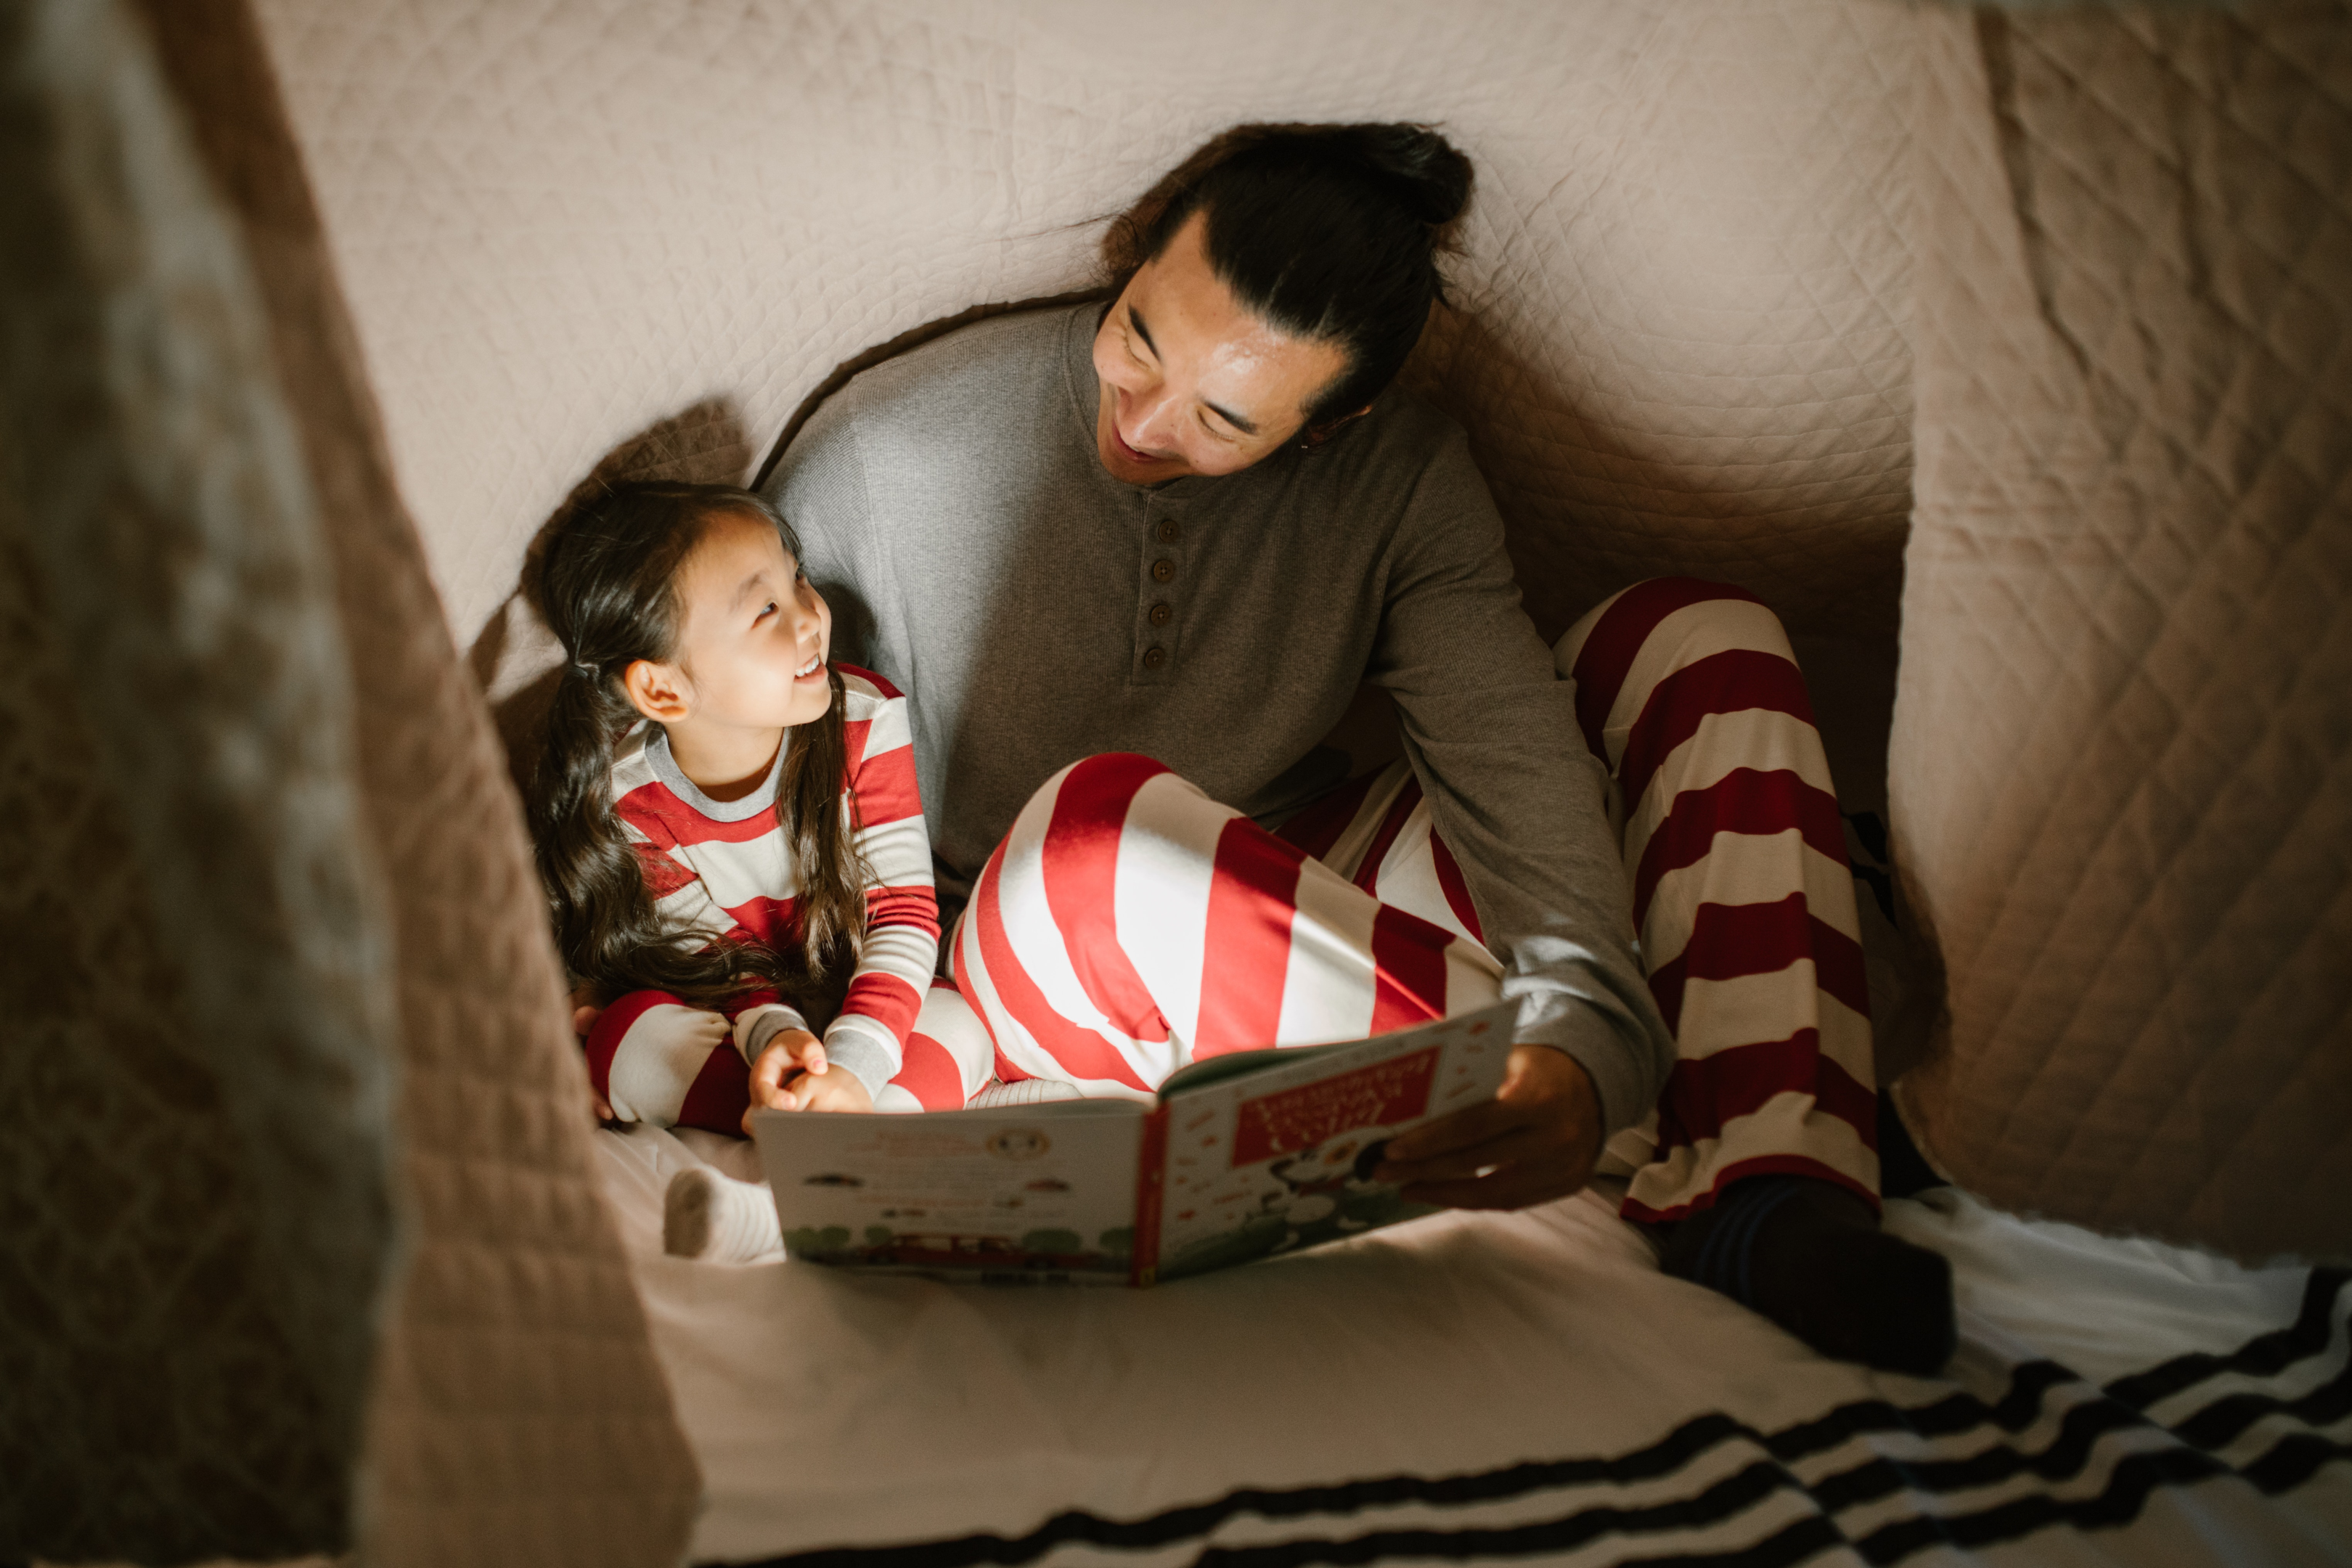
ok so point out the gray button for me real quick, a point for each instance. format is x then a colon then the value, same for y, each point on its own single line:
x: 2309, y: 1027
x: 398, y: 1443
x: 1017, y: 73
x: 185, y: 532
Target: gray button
x: 1153, y: 657
x: 1164, y: 569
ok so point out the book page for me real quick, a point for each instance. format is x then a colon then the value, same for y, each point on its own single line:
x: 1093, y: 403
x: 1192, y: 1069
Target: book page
x: 1244, y: 1064
x: 1033, y: 1193
x: 1281, y: 1158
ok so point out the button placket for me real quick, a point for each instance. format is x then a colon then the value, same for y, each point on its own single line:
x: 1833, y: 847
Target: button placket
x: 1161, y: 580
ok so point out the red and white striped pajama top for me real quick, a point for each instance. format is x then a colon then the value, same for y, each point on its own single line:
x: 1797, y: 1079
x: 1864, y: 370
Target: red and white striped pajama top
x: 724, y: 869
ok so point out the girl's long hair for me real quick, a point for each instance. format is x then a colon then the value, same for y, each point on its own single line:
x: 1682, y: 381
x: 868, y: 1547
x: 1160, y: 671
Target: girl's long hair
x: 607, y: 588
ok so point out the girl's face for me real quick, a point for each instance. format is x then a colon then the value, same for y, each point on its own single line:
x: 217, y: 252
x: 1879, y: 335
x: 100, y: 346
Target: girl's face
x: 753, y: 637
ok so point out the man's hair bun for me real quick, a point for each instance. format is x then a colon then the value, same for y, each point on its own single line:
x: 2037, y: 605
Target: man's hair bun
x: 1328, y: 232
x: 1432, y: 172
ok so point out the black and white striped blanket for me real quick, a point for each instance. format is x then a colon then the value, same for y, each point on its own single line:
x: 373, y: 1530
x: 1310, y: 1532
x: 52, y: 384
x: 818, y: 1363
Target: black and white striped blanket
x: 1871, y: 1481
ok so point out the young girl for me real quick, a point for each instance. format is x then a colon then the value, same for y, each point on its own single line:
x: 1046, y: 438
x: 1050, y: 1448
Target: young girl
x: 728, y: 824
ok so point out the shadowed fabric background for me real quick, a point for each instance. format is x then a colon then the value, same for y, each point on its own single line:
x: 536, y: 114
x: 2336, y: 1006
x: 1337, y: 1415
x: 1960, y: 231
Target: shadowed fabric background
x: 304, y: 1249
x: 561, y: 223
x: 194, y: 941
x: 2122, y: 771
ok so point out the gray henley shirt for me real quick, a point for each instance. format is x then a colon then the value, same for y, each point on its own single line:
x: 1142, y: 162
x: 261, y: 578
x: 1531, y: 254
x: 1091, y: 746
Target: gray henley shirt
x: 1036, y: 610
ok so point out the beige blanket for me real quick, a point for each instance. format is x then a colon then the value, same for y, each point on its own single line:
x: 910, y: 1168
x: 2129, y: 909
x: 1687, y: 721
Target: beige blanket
x: 2123, y: 760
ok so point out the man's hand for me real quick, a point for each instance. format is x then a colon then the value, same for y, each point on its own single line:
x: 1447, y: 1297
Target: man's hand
x: 792, y: 1073
x: 1534, y: 1141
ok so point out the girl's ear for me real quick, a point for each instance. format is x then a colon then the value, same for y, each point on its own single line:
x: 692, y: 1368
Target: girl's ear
x: 656, y: 690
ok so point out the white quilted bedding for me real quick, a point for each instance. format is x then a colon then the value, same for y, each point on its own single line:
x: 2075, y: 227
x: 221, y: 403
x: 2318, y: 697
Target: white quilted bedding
x: 1526, y: 1386
x: 562, y: 222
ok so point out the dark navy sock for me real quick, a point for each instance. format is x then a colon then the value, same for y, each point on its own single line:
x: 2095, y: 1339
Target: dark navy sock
x: 1809, y: 1255
x: 1727, y: 1248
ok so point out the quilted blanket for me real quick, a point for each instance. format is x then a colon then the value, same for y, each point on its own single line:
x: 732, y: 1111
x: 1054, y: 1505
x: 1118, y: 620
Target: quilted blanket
x: 2122, y: 774
x: 1684, y: 291
x: 301, y: 1247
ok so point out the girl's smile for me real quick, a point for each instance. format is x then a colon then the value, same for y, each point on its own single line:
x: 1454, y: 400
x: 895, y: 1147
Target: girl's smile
x: 753, y: 637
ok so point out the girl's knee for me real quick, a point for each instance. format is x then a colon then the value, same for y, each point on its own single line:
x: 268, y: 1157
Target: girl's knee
x: 618, y: 1017
x: 656, y: 1060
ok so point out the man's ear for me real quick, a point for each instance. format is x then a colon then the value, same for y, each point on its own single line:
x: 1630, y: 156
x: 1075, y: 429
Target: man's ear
x: 1314, y: 435
x: 656, y: 690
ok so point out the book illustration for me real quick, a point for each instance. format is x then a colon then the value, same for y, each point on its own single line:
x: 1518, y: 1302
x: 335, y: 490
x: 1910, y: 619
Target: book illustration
x: 1241, y: 1156
x: 1283, y: 1161
x: 1014, y: 1196
x: 1310, y: 1197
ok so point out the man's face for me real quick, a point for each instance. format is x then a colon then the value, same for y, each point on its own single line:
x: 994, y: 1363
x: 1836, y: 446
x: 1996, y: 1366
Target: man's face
x: 1191, y: 383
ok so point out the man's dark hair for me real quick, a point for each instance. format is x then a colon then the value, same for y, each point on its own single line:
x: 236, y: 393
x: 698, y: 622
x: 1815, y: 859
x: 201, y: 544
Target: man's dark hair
x: 1326, y: 232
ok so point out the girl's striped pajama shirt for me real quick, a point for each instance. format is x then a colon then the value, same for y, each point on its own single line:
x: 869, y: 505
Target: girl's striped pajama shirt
x: 725, y: 869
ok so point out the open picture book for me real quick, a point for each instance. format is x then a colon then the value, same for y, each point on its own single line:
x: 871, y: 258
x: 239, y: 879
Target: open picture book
x: 1238, y: 1157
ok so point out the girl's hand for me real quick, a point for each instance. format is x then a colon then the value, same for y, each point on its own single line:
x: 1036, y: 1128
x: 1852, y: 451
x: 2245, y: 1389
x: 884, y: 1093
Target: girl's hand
x: 837, y: 1090
x: 792, y: 1073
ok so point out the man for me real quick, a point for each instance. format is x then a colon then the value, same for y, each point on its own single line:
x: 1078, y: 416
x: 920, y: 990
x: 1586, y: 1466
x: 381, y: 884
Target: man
x: 1190, y: 523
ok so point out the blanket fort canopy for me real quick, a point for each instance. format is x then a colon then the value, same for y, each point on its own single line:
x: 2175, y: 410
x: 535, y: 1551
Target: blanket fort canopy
x: 308, y: 1236
x: 1747, y: 280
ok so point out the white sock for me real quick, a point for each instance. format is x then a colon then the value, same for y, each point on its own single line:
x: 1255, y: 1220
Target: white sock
x: 996, y: 1095
x: 718, y: 1218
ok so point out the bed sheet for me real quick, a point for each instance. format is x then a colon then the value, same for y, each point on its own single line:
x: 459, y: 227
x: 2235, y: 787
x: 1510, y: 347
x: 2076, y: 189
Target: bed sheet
x: 1518, y: 1385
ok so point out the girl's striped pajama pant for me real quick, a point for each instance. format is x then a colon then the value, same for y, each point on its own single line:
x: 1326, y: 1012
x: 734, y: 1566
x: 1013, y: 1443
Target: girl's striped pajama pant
x: 1129, y: 924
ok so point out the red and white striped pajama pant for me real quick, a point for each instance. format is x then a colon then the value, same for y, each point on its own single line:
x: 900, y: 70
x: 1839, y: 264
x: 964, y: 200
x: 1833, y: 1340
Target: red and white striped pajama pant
x: 1129, y: 924
x: 1743, y: 900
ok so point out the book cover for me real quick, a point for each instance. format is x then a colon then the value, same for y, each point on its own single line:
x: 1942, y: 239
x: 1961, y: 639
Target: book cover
x: 1246, y: 1155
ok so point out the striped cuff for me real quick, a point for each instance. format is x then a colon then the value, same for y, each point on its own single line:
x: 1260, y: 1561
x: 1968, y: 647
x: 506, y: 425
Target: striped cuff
x: 755, y: 1026
x: 866, y: 1048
